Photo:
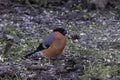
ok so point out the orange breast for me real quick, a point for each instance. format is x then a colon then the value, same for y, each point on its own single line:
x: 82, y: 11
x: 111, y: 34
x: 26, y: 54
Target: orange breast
x: 56, y: 47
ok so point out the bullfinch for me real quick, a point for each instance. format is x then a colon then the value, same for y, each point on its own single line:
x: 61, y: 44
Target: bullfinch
x: 52, y: 45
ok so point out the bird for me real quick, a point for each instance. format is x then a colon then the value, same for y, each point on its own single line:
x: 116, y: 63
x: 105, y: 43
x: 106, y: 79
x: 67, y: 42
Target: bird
x: 52, y: 45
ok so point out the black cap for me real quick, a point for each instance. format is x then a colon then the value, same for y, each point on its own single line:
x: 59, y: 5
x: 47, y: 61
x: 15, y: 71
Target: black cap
x: 61, y: 30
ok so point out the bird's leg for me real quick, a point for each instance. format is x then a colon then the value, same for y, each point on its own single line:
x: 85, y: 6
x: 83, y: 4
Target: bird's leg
x: 41, y: 62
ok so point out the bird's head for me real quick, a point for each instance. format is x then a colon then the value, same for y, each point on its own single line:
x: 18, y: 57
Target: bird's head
x: 61, y: 30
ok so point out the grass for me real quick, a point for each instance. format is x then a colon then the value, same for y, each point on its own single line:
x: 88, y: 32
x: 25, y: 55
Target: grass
x: 96, y: 68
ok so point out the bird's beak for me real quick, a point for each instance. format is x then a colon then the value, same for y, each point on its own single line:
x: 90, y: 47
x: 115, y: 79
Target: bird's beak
x: 65, y: 32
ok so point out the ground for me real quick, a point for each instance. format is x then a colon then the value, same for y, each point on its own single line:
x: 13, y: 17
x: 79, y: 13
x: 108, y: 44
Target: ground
x: 92, y: 49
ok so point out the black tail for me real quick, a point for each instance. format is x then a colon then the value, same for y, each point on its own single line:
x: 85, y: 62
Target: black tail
x: 26, y: 56
x: 39, y: 48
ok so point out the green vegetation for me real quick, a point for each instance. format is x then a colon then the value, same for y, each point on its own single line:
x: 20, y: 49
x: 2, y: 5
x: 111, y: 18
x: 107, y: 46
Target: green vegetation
x: 96, y: 28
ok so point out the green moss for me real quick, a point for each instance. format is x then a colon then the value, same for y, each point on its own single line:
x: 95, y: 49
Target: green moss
x: 115, y: 45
